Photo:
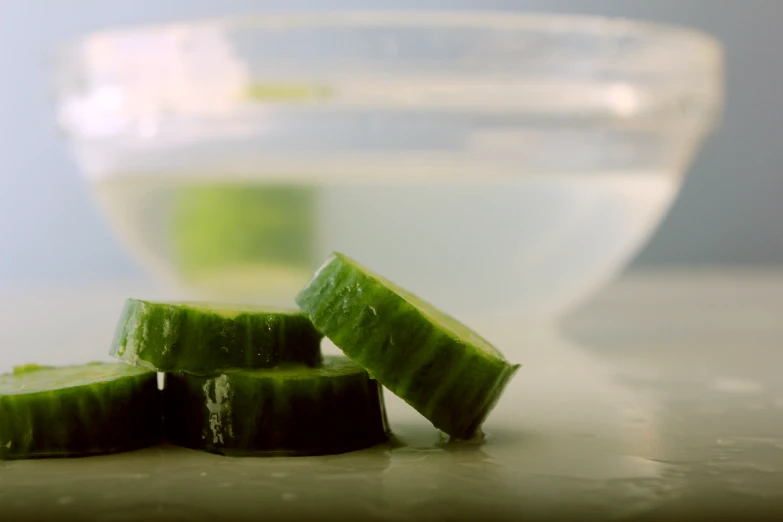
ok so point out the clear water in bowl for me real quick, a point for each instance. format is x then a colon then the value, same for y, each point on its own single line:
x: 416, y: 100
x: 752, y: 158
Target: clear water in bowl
x: 527, y: 247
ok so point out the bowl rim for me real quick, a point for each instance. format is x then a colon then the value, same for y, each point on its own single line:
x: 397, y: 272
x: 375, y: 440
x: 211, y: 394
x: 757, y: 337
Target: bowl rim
x: 697, y: 41
x: 688, y: 68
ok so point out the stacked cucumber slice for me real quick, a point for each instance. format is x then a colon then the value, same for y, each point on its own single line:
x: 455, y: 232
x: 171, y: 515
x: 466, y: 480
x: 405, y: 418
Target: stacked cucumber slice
x: 202, y: 339
x: 77, y: 410
x: 251, y: 381
x: 284, y: 411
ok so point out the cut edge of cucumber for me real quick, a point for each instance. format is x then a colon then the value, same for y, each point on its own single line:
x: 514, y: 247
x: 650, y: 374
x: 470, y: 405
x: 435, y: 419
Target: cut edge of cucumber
x: 225, y: 310
x: 34, y: 378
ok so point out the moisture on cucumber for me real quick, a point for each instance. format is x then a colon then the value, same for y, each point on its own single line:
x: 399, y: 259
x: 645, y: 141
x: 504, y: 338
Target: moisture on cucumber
x: 75, y: 411
x: 281, y: 411
x: 203, y: 338
x: 439, y: 366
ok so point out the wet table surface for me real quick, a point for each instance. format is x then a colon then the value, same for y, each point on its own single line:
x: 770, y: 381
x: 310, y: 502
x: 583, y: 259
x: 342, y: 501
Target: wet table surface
x: 662, y: 399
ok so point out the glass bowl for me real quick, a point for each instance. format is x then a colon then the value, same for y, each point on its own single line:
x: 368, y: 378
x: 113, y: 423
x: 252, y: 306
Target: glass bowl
x: 496, y: 164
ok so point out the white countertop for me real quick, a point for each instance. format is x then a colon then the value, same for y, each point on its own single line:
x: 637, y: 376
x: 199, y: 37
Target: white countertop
x: 662, y: 399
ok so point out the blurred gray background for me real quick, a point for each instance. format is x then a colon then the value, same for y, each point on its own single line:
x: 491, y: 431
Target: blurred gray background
x: 730, y: 210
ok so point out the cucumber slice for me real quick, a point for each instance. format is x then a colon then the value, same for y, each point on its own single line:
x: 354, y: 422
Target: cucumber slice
x: 203, y: 338
x: 281, y: 411
x: 77, y: 410
x: 439, y: 366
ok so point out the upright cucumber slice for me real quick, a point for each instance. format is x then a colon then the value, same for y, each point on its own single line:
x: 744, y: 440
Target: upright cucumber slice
x: 203, y: 338
x: 77, y: 410
x: 439, y: 366
x: 281, y: 411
